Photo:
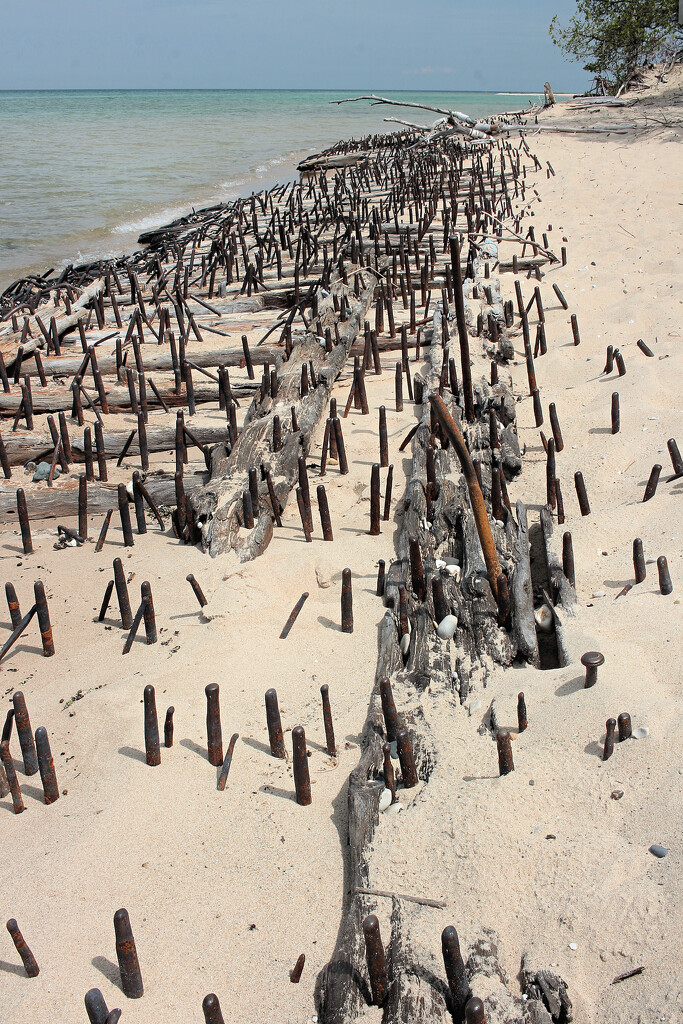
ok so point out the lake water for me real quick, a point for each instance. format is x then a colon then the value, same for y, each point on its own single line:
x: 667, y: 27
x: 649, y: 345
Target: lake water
x: 83, y: 173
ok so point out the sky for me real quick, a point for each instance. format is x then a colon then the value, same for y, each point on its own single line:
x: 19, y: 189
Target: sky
x: 361, y: 45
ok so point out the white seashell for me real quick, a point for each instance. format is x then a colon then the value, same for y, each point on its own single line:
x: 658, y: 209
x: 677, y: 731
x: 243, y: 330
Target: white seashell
x: 385, y: 799
x: 440, y: 564
x: 544, y: 618
x: 73, y: 543
x: 129, y: 490
x: 405, y: 643
x: 453, y: 570
x: 640, y: 733
x: 447, y: 627
x: 598, y: 593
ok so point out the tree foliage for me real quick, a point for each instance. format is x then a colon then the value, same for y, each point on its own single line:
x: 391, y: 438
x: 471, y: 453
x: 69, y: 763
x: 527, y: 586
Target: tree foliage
x: 614, y: 37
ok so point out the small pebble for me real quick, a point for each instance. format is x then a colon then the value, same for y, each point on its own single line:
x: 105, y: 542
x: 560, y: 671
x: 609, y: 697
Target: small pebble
x: 598, y: 593
x: 447, y: 627
x: 573, y: 945
x: 617, y: 794
x: 385, y: 799
x: 531, y: 782
x: 658, y: 851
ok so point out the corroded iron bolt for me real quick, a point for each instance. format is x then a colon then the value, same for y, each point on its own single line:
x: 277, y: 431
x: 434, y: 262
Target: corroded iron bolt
x: 96, y: 1007
x: 277, y: 743
x: 389, y: 777
x: 592, y: 660
x: 619, y: 360
x: 474, y: 1010
x: 398, y: 388
x: 652, y: 482
x: 581, y: 494
x: 676, y: 460
x: 83, y: 506
x: 624, y: 722
x: 383, y: 439
x: 616, y: 421
x: 12, y: 781
x: 568, y: 558
x: 381, y: 575
x: 168, y: 727
x: 46, y: 766
x: 148, y: 613
x: 665, y: 584
x: 521, y: 712
x: 324, y: 510
x: 455, y: 971
x: 247, y: 511
x: 295, y: 976
x: 392, y: 725
x: 639, y: 560
x: 13, y: 604
x: 43, y: 619
x: 304, y: 513
x: 341, y: 449
x: 346, y: 602
x: 103, y: 532
x: 538, y: 408
x: 152, y: 752
x: 198, y: 592
x: 417, y: 575
x: 610, y: 726
x: 28, y: 959
x: 555, y: 426
x: 210, y: 1004
x: 122, y: 594
x: 575, y: 329
x: 253, y: 491
x: 387, y: 494
x: 406, y: 758
x: 213, y: 725
x: 609, y: 363
x: 124, y: 512
x: 302, y: 779
x: 374, y: 500
x: 327, y: 719
x: 374, y: 955
x: 23, y: 723
x: 22, y: 512
x: 505, y: 762
x: 441, y: 607
x: 126, y: 953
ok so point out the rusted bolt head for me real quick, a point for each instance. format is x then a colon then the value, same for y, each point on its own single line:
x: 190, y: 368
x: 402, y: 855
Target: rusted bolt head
x: 592, y: 660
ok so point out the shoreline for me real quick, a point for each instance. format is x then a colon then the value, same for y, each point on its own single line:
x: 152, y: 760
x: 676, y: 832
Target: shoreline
x: 546, y: 855
x: 236, y: 130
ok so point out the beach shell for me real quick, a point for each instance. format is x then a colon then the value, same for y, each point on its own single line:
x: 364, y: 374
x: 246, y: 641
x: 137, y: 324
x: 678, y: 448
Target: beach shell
x: 405, y: 643
x: 129, y: 490
x: 640, y: 733
x: 385, y: 799
x: 453, y: 570
x: 544, y: 618
x: 598, y: 593
x: 447, y: 627
x: 440, y: 564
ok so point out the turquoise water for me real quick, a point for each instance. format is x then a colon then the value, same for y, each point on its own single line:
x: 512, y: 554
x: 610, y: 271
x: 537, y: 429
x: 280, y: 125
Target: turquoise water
x: 83, y: 173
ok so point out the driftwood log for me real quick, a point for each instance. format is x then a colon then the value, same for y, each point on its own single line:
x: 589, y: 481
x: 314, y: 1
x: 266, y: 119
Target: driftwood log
x: 62, y: 498
x: 443, y: 525
x: 217, y: 510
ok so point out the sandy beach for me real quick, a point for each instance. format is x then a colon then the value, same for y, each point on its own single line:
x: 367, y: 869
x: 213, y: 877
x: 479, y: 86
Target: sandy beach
x: 226, y: 889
